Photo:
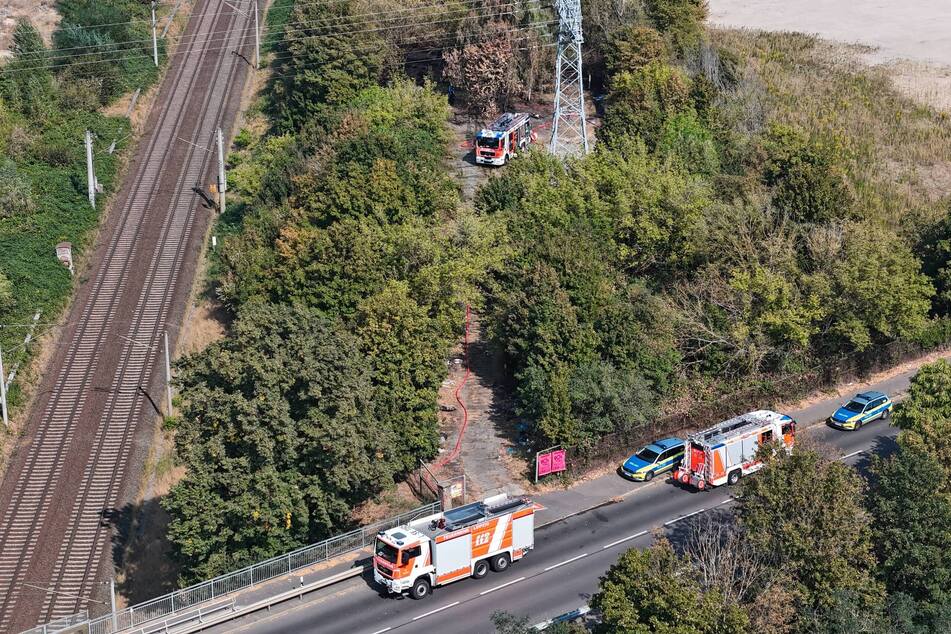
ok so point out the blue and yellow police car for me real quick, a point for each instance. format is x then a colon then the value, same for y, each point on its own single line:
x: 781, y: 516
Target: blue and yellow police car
x: 863, y: 408
x: 653, y: 459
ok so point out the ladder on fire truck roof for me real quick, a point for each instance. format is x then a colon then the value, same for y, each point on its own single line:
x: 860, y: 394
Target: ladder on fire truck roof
x: 508, y: 121
x: 736, y: 426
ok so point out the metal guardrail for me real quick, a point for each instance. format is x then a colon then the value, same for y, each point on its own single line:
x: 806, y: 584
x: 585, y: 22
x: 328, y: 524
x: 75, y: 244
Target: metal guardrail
x: 60, y: 624
x: 179, y: 601
x: 188, y: 620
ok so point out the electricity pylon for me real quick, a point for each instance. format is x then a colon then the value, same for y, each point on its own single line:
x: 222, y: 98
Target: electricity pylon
x: 569, y: 128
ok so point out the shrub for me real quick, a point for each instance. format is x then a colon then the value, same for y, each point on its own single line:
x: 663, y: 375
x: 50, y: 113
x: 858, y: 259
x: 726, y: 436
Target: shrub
x: 16, y: 192
x: 806, y: 175
x: 632, y: 47
x: 641, y: 101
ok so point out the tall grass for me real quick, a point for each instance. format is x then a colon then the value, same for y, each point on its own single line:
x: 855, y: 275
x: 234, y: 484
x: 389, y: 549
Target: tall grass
x: 897, y: 151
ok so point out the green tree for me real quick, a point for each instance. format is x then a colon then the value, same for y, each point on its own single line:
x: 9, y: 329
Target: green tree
x: 925, y: 417
x: 806, y: 175
x: 681, y: 20
x: 798, y: 512
x: 879, y: 292
x: 935, y: 250
x: 911, y: 525
x: 326, y: 69
x: 685, y: 138
x: 279, y: 438
x: 653, y: 591
x: 633, y: 46
x: 406, y: 356
x: 28, y: 44
x: 641, y: 101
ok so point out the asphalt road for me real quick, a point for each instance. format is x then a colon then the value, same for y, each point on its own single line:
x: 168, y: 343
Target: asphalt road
x: 558, y: 576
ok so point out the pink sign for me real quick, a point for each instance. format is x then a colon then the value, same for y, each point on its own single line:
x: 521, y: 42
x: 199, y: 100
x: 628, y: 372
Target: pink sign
x: 558, y: 461
x: 550, y: 462
x: 544, y: 464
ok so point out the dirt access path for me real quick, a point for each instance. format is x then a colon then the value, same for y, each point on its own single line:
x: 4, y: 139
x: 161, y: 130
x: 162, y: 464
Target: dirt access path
x: 484, y: 455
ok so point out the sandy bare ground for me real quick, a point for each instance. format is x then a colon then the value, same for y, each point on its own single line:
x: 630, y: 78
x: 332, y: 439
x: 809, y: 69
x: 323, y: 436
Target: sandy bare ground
x: 41, y: 12
x: 911, y: 38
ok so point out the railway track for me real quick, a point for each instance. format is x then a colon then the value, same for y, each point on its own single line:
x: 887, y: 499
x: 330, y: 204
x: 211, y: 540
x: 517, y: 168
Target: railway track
x: 81, y: 457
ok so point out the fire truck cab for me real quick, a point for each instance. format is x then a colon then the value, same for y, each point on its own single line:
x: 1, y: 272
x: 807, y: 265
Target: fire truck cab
x: 502, y: 140
x: 726, y: 452
x: 463, y: 542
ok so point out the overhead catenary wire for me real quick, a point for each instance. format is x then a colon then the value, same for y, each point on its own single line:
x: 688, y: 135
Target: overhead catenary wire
x: 446, y: 41
x: 140, y: 54
x: 238, y: 44
x: 132, y: 46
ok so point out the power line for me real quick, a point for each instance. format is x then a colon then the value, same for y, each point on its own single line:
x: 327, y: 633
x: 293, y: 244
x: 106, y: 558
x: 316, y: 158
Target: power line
x: 278, y: 38
x: 318, y: 23
x: 238, y: 43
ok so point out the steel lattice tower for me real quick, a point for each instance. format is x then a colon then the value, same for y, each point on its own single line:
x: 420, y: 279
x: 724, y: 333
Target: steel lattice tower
x: 569, y: 127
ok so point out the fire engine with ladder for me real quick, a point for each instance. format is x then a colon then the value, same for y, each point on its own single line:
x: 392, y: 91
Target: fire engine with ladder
x: 456, y: 544
x: 503, y: 138
x: 726, y: 452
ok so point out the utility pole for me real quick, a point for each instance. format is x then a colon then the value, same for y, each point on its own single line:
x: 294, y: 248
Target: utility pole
x: 222, y: 185
x: 569, y: 129
x: 112, y: 604
x: 90, y: 174
x: 257, y: 40
x: 3, y: 392
x: 154, y: 38
x: 168, y: 375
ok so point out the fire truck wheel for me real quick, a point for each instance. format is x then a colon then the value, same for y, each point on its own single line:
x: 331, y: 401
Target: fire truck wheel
x: 500, y: 563
x: 481, y: 569
x: 420, y: 589
x: 734, y: 477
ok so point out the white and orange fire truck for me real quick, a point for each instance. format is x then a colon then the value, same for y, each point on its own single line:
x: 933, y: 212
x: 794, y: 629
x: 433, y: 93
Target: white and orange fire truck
x: 503, y: 139
x: 463, y: 542
x: 726, y: 452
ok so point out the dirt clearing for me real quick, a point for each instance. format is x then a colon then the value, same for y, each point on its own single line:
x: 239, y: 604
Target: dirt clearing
x: 912, y: 39
x: 41, y: 12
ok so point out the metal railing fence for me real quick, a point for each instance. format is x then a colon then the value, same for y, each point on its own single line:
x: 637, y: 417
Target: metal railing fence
x: 179, y: 600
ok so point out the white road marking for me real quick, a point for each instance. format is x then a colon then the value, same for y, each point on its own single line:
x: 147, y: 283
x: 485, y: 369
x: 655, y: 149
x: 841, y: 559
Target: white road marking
x: 854, y: 453
x: 567, y: 561
x: 445, y: 607
x: 684, y: 517
x: 624, y: 539
x: 385, y: 629
x: 726, y: 501
x: 501, y: 586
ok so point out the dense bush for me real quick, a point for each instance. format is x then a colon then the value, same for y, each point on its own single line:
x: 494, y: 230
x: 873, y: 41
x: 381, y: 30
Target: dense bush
x: 807, y: 176
x: 326, y: 69
x: 344, y: 225
x: 758, y: 242
x: 48, y: 99
x: 281, y: 440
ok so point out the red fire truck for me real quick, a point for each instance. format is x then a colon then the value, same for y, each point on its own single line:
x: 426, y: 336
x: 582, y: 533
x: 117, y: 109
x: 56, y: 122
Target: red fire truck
x: 501, y: 141
x: 456, y: 544
x: 726, y: 452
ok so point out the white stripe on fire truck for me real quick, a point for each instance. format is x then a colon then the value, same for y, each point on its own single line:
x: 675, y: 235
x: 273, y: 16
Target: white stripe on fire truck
x: 500, y: 527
